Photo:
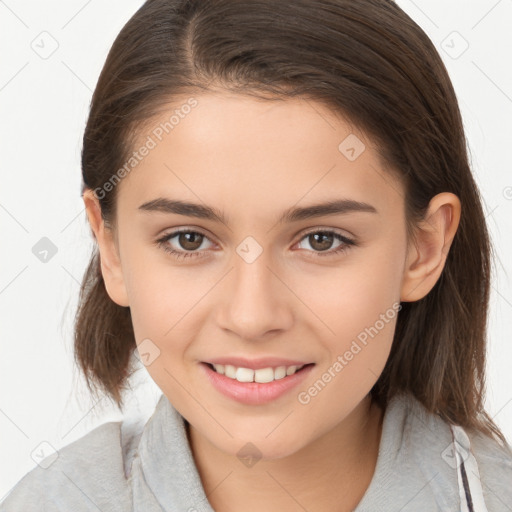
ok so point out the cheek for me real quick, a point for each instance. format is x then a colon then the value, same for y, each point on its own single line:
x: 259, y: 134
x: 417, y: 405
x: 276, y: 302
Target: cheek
x: 160, y: 297
x: 162, y: 310
x: 159, y: 291
x: 361, y: 311
x: 358, y: 304
x: 352, y: 296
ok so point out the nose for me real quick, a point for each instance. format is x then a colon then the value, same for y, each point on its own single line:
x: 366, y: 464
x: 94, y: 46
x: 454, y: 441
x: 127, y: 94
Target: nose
x: 255, y: 300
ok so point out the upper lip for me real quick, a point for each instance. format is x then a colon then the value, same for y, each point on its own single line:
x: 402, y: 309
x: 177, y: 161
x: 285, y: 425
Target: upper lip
x: 256, y: 364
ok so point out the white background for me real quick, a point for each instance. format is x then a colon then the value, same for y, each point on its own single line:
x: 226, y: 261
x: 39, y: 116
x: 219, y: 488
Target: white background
x: 44, y: 103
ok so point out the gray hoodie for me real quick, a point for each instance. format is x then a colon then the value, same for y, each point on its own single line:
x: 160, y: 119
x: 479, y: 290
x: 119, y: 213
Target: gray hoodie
x: 423, y: 465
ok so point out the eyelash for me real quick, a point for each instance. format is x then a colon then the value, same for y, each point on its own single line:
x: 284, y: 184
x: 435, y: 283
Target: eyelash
x: 162, y: 242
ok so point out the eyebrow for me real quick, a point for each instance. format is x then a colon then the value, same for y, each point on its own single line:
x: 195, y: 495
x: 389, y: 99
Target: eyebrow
x: 333, y: 207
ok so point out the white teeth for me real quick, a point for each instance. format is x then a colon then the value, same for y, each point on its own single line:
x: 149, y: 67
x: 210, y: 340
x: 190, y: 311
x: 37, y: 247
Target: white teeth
x: 291, y: 370
x: 244, y: 375
x: 262, y: 375
x: 280, y: 372
x: 230, y: 371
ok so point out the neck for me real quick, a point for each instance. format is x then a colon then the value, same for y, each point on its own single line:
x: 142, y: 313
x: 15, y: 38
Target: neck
x: 339, y: 463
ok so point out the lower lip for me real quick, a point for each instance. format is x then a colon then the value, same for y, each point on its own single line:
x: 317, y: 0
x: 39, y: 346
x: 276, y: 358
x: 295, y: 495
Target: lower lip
x: 255, y: 393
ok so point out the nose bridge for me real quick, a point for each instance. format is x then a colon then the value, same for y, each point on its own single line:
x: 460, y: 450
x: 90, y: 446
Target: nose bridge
x: 256, y: 301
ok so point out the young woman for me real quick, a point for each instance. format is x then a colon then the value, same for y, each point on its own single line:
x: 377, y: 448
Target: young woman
x: 290, y: 237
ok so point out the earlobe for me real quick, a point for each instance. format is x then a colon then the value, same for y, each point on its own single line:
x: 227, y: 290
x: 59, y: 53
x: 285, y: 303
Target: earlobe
x: 426, y: 255
x: 109, y: 254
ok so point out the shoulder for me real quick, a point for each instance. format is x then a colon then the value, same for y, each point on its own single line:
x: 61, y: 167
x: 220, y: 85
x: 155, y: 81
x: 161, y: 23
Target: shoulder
x: 87, y: 474
x: 430, y: 438
x: 494, y: 462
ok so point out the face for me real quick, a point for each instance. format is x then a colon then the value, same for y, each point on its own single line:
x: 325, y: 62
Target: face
x: 257, y: 281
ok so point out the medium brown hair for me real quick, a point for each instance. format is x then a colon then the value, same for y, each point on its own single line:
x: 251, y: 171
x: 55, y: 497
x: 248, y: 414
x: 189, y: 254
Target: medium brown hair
x: 368, y: 61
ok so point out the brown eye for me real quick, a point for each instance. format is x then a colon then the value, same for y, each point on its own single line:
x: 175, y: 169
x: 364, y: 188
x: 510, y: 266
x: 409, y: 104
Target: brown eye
x: 190, y: 240
x: 184, y: 243
x: 321, y: 241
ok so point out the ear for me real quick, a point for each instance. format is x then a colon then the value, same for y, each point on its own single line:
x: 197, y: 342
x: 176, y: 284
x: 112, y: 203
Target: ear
x: 109, y: 251
x: 426, y: 255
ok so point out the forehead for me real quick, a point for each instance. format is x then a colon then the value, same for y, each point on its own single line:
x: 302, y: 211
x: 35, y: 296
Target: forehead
x: 234, y: 150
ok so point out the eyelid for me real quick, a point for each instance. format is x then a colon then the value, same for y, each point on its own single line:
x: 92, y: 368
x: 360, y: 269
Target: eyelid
x: 187, y: 229
x: 342, y: 232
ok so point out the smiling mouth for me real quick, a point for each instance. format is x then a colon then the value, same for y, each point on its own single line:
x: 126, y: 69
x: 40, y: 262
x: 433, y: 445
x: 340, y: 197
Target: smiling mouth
x: 261, y: 375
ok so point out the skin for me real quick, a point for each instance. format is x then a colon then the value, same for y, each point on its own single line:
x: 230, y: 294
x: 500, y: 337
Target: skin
x: 253, y: 159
